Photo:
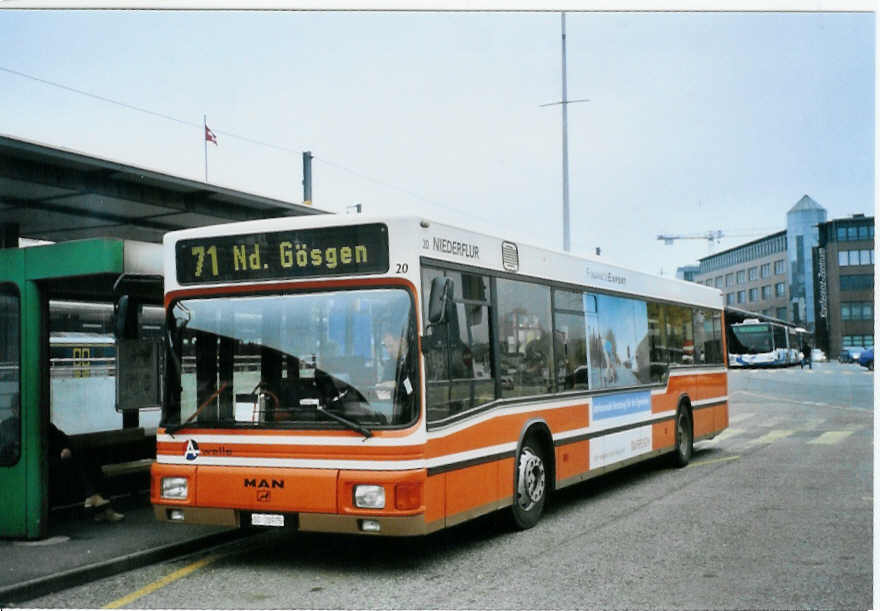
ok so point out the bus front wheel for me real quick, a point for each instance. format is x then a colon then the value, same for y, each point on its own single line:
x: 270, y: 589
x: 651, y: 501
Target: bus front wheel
x: 684, y: 438
x: 530, y: 491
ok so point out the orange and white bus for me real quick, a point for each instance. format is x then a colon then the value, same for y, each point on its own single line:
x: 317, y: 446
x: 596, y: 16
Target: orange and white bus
x: 396, y: 376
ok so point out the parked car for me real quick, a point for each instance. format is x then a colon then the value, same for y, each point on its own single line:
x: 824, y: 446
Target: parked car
x: 866, y: 358
x: 849, y: 355
x: 818, y: 356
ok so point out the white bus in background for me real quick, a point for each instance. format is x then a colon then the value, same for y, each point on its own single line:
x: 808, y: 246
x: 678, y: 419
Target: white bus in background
x: 763, y: 343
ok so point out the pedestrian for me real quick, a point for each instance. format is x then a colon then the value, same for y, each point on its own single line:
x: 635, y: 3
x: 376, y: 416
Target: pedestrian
x: 77, y: 469
x: 808, y: 356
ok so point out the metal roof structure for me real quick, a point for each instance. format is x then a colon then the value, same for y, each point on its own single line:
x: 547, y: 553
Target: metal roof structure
x: 55, y: 194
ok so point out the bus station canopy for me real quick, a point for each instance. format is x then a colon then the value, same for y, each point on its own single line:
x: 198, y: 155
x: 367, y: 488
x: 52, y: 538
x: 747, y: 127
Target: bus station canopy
x: 55, y: 194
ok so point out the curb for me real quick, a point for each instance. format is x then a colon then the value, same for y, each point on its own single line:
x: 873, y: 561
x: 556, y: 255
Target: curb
x: 42, y: 586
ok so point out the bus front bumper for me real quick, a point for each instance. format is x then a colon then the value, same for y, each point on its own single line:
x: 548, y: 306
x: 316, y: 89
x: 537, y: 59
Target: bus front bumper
x: 395, y: 526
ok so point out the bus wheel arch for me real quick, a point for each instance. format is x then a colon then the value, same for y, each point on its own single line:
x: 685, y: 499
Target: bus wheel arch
x: 533, y: 474
x: 684, y: 433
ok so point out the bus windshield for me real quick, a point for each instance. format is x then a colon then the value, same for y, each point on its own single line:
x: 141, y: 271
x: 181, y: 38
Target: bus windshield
x: 755, y: 339
x: 318, y: 360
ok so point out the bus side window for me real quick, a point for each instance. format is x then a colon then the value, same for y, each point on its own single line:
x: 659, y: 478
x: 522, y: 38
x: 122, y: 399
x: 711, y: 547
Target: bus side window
x: 570, y: 339
x: 524, y: 342
x: 659, y: 367
x: 779, y: 337
x: 458, y: 361
x: 679, y: 335
x: 707, y: 336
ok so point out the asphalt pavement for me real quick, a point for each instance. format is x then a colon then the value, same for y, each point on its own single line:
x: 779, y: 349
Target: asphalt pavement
x: 78, y: 549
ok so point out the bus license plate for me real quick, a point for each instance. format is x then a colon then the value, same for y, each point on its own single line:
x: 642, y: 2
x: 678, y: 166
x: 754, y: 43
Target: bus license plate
x: 267, y: 519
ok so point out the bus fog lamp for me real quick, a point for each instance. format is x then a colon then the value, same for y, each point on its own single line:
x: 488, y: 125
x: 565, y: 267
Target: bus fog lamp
x: 176, y: 515
x: 370, y: 526
x: 174, y: 488
x: 368, y: 496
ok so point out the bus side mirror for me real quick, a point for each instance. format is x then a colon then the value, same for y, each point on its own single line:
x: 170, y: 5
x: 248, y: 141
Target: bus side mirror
x: 119, y: 323
x: 475, y: 315
x: 441, y: 289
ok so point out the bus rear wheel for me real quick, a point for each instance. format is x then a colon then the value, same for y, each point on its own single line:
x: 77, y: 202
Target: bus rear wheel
x: 530, y: 490
x: 684, y: 438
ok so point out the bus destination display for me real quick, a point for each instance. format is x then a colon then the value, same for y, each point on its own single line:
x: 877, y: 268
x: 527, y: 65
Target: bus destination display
x: 326, y: 251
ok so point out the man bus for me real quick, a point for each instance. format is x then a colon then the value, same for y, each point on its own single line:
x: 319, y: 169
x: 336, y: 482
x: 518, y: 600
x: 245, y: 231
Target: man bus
x: 279, y: 407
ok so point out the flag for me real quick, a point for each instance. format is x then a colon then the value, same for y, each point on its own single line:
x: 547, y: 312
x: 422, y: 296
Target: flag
x: 209, y: 135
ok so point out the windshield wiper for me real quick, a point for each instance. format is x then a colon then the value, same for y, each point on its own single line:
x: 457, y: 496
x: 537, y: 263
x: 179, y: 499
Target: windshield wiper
x: 367, y: 433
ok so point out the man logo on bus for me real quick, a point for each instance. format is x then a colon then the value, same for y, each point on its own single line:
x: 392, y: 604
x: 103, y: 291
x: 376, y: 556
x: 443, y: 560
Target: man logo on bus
x: 192, y: 450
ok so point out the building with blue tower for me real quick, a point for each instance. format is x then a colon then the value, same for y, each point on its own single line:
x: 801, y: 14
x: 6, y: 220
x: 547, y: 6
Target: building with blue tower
x: 817, y: 274
x: 802, y: 234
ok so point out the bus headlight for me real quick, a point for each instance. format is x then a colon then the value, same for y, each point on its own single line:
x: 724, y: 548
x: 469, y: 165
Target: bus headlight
x: 174, y: 488
x: 368, y: 496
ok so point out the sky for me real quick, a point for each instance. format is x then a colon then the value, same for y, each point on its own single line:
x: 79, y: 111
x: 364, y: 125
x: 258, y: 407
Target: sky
x: 696, y: 122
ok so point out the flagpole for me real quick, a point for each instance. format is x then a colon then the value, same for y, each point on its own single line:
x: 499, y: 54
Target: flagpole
x: 205, y: 138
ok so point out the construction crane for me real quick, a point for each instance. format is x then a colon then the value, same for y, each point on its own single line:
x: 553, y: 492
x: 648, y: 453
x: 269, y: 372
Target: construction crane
x: 712, y: 237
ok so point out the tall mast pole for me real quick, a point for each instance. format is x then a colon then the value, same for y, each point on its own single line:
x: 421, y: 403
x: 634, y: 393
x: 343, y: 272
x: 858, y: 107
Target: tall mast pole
x: 566, y: 221
x: 566, y: 228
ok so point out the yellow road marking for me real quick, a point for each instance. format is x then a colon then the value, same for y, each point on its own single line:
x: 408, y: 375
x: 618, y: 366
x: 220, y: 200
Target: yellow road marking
x: 772, y: 421
x: 161, y: 583
x: 728, y: 433
x: 771, y: 437
x: 831, y: 437
x: 811, y: 424
x: 714, y: 460
x: 739, y: 417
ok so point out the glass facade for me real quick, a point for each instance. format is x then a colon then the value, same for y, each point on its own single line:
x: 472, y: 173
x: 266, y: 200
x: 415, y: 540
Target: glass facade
x: 862, y: 256
x: 857, y: 282
x: 850, y: 230
x: 803, y: 234
x: 857, y: 310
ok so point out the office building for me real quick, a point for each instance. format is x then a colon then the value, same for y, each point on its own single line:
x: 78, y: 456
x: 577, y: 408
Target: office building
x: 752, y: 276
x: 817, y: 274
x: 772, y: 275
x: 843, y: 271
